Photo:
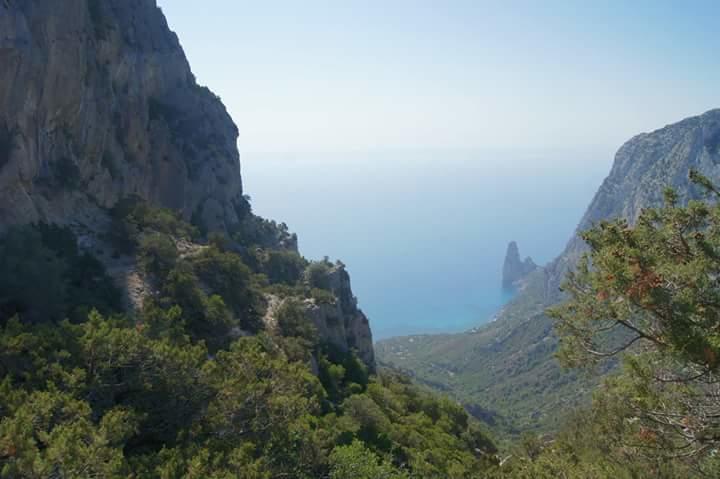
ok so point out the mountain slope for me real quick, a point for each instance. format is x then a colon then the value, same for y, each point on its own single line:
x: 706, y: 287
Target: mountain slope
x: 232, y: 355
x: 98, y: 102
x: 505, y: 371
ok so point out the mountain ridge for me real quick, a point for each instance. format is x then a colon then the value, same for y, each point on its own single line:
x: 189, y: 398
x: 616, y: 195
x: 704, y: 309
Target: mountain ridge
x: 503, y: 368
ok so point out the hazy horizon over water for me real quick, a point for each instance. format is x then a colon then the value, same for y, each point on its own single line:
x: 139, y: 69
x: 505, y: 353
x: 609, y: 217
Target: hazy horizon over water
x: 423, y: 234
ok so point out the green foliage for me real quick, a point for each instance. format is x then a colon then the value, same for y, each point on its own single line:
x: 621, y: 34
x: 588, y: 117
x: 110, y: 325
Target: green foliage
x: 316, y: 274
x: 355, y: 461
x: 157, y: 254
x: 131, y: 217
x: 649, y: 293
x: 292, y: 322
x: 204, y: 316
x: 226, y: 275
x: 179, y: 389
x: 116, y: 398
x: 73, y: 282
x: 482, y: 369
x: 280, y: 267
x: 51, y: 433
x: 254, y: 231
x: 341, y: 373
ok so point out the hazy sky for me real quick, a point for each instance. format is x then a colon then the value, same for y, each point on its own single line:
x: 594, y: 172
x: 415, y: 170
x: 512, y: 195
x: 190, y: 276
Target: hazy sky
x: 337, y: 75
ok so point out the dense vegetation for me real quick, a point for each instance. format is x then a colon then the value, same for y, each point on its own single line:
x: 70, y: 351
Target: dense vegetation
x: 194, y: 385
x: 650, y: 294
x: 503, y: 372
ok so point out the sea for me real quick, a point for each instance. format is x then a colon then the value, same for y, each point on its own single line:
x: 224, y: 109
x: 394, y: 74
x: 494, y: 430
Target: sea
x: 424, y: 233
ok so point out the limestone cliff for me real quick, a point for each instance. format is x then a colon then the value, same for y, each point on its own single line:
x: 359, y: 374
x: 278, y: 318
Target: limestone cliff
x: 514, y: 269
x: 340, y: 322
x: 97, y: 102
x: 643, y: 167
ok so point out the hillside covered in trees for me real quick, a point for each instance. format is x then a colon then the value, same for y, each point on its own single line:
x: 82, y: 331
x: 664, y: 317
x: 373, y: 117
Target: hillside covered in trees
x: 195, y: 383
x: 153, y: 326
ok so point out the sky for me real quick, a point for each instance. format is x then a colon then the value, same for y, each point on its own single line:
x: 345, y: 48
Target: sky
x: 331, y: 76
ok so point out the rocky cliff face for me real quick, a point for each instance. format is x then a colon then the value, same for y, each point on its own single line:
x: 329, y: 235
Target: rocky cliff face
x: 515, y: 270
x: 97, y: 102
x: 340, y: 323
x: 643, y: 167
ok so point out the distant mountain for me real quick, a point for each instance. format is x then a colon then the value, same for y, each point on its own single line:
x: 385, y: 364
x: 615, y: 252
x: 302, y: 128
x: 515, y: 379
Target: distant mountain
x: 514, y: 269
x: 505, y: 371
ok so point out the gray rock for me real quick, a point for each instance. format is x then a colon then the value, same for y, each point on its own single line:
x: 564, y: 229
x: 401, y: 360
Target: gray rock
x: 98, y: 102
x: 340, y: 323
x: 644, y: 166
x: 515, y: 270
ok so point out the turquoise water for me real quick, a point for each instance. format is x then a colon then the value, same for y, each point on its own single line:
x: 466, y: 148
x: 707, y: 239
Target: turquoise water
x: 424, y: 234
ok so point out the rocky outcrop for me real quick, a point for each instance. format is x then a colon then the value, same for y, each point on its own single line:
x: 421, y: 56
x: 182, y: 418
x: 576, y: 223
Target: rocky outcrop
x: 97, y: 102
x: 515, y: 270
x: 340, y: 322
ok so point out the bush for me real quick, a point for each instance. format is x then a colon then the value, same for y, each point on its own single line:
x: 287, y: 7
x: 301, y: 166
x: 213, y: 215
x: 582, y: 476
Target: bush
x: 73, y: 282
x: 157, y: 254
x: 226, y: 275
x: 322, y: 296
x: 316, y: 275
x: 293, y: 322
x: 281, y: 266
x: 132, y: 216
x: 358, y: 462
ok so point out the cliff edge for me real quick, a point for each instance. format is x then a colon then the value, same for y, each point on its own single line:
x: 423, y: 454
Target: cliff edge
x: 97, y: 103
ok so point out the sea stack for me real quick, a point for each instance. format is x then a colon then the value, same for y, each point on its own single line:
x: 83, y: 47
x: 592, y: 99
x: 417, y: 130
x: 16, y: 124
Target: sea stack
x: 514, y: 270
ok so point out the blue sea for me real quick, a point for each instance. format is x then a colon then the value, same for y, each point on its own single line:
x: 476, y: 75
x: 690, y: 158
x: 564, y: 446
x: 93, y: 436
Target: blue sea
x: 424, y: 234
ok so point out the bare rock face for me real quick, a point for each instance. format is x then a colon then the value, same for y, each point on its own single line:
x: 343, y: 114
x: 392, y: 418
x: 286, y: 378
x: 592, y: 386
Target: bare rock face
x: 97, y: 102
x: 515, y: 270
x: 644, y: 166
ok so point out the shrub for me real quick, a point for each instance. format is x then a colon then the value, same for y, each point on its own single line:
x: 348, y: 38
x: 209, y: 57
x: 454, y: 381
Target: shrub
x: 73, y: 282
x: 281, y: 266
x: 226, y: 275
x: 358, y: 462
x: 316, y: 275
x: 293, y: 322
x: 132, y: 216
x: 157, y: 254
